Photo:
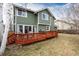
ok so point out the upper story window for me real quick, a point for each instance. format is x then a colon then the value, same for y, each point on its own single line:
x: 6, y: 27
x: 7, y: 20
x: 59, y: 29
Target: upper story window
x: 22, y: 13
x: 44, y: 16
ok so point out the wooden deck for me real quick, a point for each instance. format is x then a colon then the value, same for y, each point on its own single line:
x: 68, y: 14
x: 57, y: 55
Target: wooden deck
x: 31, y: 37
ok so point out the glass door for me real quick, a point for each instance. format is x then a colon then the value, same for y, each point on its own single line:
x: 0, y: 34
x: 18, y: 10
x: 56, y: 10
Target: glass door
x: 28, y: 29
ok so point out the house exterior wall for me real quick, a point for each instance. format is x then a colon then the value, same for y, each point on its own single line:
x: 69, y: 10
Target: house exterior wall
x: 52, y: 24
x: 35, y: 20
x: 31, y: 19
x: 42, y: 28
x: 41, y: 21
x: 62, y: 26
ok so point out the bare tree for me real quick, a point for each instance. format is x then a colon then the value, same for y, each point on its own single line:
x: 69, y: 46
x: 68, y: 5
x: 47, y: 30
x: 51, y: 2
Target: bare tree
x: 6, y: 22
x: 70, y: 14
x: 74, y: 15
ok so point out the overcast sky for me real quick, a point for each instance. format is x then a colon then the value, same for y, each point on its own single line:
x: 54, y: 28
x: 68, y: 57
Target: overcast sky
x: 37, y: 6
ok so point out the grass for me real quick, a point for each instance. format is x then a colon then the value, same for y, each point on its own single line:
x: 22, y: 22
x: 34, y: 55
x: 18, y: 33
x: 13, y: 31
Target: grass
x: 64, y: 45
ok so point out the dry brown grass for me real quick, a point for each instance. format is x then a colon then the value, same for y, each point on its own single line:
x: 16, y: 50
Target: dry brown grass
x: 65, y: 45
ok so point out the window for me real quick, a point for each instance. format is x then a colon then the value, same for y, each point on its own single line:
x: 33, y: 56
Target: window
x: 19, y: 12
x: 20, y: 28
x: 29, y: 28
x: 44, y: 16
x: 47, y: 28
x: 22, y: 13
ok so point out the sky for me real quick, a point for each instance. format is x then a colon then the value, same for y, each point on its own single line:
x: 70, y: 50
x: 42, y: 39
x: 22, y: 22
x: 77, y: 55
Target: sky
x: 38, y: 6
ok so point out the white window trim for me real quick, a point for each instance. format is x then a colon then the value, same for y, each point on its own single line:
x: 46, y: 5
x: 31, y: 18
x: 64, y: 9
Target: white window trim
x: 50, y: 20
x: 21, y: 15
x: 23, y: 27
x: 45, y: 15
x: 19, y: 28
x: 48, y: 29
x: 31, y: 28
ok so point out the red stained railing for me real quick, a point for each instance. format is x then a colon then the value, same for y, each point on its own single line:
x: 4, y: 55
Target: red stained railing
x: 33, y: 37
x: 11, y: 38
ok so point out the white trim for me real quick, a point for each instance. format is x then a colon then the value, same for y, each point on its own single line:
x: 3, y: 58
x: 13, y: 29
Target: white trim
x: 50, y: 23
x: 22, y: 15
x: 48, y: 11
x: 38, y: 18
x: 38, y: 22
x: 19, y: 28
x: 50, y: 20
x: 27, y: 25
x: 23, y: 29
x: 24, y: 26
x: 46, y: 15
x: 37, y: 27
x: 43, y: 24
x: 48, y: 29
x: 15, y: 21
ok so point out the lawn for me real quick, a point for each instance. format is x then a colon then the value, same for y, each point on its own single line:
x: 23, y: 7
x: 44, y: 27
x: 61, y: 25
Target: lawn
x: 63, y: 45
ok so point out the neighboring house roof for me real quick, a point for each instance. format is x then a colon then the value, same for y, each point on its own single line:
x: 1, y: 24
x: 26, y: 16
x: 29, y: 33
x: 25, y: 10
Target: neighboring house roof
x: 34, y: 11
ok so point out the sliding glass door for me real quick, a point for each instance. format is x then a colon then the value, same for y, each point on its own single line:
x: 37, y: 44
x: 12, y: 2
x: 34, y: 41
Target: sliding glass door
x: 28, y: 29
x: 25, y: 29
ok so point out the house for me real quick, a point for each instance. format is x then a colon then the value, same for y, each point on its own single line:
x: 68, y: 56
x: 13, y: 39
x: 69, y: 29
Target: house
x: 64, y: 25
x: 28, y: 21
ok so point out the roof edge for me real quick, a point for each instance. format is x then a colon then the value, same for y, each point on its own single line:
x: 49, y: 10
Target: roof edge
x: 17, y: 6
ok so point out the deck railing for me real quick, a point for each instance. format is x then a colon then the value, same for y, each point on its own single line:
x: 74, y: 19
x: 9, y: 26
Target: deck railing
x: 33, y: 37
x: 11, y: 38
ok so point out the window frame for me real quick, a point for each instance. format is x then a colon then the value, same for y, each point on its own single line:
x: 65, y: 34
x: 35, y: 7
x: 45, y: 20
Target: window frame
x: 21, y: 28
x: 46, y: 16
x: 48, y: 28
x: 23, y: 13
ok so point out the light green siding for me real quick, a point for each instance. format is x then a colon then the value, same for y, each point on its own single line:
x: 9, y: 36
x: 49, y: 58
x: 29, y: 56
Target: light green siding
x: 41, y: 21
x: 35, y: 19
x: 31, y: 19
x: 52, y: 24
x: 42, y: 28
x: 44, y: 23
